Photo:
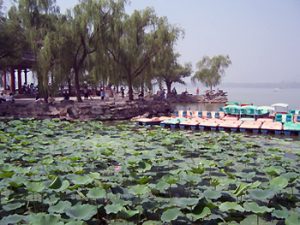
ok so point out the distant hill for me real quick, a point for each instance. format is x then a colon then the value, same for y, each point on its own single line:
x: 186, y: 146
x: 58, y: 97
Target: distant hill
x: 281, y: 85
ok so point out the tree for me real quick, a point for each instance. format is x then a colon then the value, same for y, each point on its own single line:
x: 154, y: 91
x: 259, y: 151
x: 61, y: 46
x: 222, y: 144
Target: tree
x: 38, y: 18
x: 134, y: 41
x: 211, y: 70
x: 169, y: 70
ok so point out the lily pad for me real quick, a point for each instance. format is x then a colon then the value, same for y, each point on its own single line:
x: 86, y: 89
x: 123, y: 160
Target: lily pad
x: 228, y: 206
x: 205, y: 213
x: 96, y: 193
x: 13, y: 206
x: 261, y: 195
x: 279, y: 183
x: 42, y: 218
x: 11, y: 219
x: 255, y: 208
x: 35, y: 186
x: 113, y: 208
x: 171, y: 214
x: 211, y: 194
x: 60, y: 207
x: 82, y: 212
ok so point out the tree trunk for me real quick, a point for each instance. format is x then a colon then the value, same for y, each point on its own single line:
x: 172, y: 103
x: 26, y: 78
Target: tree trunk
x: 77, y: 86
x: 169, y: 86
x: 130, y: 89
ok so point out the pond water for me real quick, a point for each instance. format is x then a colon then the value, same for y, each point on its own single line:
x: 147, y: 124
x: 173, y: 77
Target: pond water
x: 119, y: 173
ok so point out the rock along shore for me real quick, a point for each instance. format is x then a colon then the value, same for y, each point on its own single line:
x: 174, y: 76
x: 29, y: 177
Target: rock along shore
x: 84, y: 111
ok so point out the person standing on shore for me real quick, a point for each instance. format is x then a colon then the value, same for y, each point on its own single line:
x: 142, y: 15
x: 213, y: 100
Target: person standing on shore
x: 197, y: 91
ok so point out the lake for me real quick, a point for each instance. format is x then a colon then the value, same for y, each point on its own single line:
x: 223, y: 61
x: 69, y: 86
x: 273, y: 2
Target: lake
x: 257, y: 96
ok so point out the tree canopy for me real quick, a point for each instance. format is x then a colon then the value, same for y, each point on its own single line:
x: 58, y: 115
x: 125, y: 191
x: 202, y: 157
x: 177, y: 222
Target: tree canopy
x: 210, y: 70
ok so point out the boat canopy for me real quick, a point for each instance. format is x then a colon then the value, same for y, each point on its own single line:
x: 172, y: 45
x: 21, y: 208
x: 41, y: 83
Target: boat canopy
x: 281, y: 107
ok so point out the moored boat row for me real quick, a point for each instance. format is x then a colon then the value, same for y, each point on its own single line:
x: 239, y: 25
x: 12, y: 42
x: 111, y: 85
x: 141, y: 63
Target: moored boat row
x: 287, y: 123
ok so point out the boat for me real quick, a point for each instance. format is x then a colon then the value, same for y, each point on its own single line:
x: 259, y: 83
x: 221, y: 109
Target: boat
x: 232, y: 125
x: 173, y: 122
x: 281, y: 107
x: 211, y: 124
x: 193, y: 123
x: 271, y: 126
x: 251, y: 125
x: 150, y: 121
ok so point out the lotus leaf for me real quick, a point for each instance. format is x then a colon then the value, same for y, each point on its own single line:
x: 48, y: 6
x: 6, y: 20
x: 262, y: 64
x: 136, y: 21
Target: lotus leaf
x: 42, y: 218
x: 82, y: 212
x: 255, y: 208
x: 96, y: 193
x: 139, y: 190
x: 211, y: 194
x: 274, y: 170
x: 205, y: 213
x: 279, y: 183
x: 293, y: 219
x: 60, y: 207
x: 81, y: 180
x: 74, y: 222
x: 12, y: 219
x: 56, y: 183
x: 261, y: 195
x: 152, y: 222
x: 171, y: 214
x: 185, y: 202
x: 35, y: 186
x: 51, y: 200
x: 227, y: 206
x: 114, y: 208
x: 13, y: 206
x: 280, y: 214
x: 120, y: 222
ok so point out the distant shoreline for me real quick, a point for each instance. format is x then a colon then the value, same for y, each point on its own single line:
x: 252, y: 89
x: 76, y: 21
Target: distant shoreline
x: 261, y: 85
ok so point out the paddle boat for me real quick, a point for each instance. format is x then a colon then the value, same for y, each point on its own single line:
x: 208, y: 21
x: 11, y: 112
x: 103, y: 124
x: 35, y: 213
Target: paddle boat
x: 232, y: 125
x: 150, y: 121
x: 192, y: 123
x: 173, y: 122
x: 251, y: 125
x: 291, y: 128
x: 271, y: 126
x: 210, y: 124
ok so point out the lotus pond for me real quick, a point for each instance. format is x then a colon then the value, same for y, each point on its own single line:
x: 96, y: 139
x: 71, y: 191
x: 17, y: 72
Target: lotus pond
x: 54, y: 172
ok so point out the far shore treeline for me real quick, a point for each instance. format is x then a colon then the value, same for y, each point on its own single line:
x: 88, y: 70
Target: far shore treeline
x: 98, y: 42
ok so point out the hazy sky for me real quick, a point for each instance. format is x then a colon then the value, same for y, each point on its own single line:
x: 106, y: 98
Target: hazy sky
x: 262, y: 37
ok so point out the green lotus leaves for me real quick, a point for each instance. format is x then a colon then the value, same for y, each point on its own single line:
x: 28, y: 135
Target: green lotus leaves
x: 280, y: 214
x: 81, y: 212
x: 185, y: 202
x: 170, y: 215
x: 278, y: 183
x: 11, y: 219
x: 96, y: 193
x: 293, y: 219
x: 204, y: 213
x: 255, y: 208
x: 261, y: 195
x: 60, y: 172
x: 36, y: 187
x: 211, y: 194
x: 56, y: 183
x: 81, y: 180
x: 152, y: 222
x: 60, y: 207
x: 42, y: 218
x: 13, y: 206
x: 228, y: 206
x: 114, y: 208
x: 139, y: 190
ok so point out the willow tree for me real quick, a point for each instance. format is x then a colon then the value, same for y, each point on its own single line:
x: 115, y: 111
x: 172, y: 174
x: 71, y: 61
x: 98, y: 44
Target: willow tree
x: 168, y: 70
x: 134, y: 40
x: 210, y: 70
x: 38, y: 18
x: 84, y: 34
x: 12, y: 39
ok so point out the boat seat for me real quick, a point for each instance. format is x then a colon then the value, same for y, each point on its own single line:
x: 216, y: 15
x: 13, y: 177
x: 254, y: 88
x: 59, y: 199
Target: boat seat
x: 278, y: 118
x: 217, y: 115
x: 209, y: 115
x: 184, y: 114
x: 200, y: 114
x: 289, y: 118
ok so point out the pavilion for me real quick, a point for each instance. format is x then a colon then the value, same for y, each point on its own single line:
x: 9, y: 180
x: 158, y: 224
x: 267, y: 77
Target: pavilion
x: 25, y: 66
